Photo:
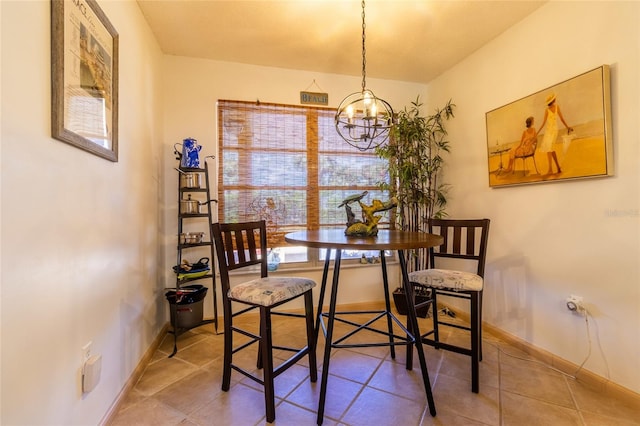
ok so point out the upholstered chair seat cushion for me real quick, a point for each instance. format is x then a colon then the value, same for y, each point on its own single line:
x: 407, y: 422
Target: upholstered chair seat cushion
x: 270, y: 290
x: 447, y: 279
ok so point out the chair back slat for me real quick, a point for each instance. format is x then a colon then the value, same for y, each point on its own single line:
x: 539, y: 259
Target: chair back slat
x: 463, y: 239
x: 457, y: 232
x: 237, y: 240
x: 229, y: 247
x: 444, y: 233
x: 471, y: 240
x: 250, y: 238
x: 239, y: 245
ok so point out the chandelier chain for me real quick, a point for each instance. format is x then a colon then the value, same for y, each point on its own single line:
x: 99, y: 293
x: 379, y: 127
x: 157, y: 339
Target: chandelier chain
x: 363, y: 120
x: 364, y: 52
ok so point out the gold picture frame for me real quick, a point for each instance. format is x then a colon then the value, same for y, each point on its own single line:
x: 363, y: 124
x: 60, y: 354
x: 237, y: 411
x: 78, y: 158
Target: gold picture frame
x: 560, y: 133
x: 84, y: 77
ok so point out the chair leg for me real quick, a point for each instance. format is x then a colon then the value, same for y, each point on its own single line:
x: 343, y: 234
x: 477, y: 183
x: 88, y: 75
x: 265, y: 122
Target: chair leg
x: 267, y: 360
x: 434, y: 309
x: 260, y: 348
x: 311, y: 338
x: 475, y: 341
x: 228, y: 350
x: 480, y: 325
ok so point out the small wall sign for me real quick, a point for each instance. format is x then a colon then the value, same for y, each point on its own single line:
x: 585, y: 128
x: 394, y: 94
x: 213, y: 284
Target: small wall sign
x: 314, y: 98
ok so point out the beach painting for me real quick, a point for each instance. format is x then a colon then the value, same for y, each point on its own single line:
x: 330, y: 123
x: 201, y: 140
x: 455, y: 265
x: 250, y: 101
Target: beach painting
x: 562, y: 132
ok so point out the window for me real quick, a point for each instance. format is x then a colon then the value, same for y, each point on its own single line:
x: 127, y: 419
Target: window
x: 287, y: 165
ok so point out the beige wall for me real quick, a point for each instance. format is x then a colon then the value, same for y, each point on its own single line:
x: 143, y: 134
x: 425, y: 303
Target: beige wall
x: 104, y: 232
x: 551, y: 240
x: 80, y: 248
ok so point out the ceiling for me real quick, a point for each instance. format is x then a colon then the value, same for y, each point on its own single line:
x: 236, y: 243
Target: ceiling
x: 406, y: 40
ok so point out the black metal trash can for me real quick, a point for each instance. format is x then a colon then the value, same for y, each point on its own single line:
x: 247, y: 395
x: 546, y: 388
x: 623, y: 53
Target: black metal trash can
x: 186, y: 305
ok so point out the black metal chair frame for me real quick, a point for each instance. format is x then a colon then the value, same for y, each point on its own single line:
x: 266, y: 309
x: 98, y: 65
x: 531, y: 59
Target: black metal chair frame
x: 456, y: 245
x: 236, y: 248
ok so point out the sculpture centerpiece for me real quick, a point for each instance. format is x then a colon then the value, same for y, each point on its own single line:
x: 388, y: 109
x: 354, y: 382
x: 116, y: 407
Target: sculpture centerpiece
x: 368, y: 226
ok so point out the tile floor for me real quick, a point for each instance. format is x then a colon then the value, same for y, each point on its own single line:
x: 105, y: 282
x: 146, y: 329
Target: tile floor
x: 366, y: 387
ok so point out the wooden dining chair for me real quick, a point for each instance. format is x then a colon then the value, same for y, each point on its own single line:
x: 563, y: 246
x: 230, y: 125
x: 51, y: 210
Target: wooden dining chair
x: 466, y: 241
x: 242, y: 246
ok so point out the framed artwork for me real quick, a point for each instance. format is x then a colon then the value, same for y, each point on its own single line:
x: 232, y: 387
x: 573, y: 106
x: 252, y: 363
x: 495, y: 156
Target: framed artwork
x: 84, y: 77
x: 559, y: 133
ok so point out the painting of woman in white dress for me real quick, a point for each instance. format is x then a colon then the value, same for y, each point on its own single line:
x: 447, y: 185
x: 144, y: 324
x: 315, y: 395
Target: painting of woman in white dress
x: 573, y: 141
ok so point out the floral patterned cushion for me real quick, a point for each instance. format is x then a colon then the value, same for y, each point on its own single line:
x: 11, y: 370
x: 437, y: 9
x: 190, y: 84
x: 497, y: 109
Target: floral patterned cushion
x: 447, y: 279
x: 271, y: 290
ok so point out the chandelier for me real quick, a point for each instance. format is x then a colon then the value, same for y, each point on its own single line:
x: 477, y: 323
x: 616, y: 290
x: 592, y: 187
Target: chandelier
x: 362, y: 119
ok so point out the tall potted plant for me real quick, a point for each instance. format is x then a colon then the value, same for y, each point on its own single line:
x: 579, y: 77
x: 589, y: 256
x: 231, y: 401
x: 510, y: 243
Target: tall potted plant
x: 414, y: 153
x: 415, y: 158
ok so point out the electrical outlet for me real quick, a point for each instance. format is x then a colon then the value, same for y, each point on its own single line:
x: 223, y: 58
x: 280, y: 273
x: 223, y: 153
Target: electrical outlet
x: 86, y: 352
x: 575, y: 304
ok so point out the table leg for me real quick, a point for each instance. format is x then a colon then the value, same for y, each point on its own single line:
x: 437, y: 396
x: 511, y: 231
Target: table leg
x: 385, y: 282
x: 323, y: 288
x: 413, y: 322
x: 329, y: 337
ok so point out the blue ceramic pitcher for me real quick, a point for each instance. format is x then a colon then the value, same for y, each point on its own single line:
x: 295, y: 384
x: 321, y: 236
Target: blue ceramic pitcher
x: 190, y: 157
